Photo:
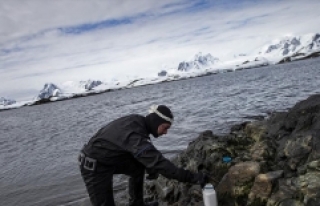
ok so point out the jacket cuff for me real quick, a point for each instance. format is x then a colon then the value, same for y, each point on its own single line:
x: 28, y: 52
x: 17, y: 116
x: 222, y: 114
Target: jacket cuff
x: 187, y: 176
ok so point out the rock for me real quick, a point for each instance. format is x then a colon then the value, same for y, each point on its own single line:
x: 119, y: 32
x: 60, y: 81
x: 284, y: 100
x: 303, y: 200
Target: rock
x: 263, y: 185
x: 314, y: 165
x: 285, y: 60
x: 287, y: 192
x: 297, y: 150
x: 163, y: 73
x: 309, y: 185
x: 89, y: 84
x: 238, y: 127
x: 238, y: 179
x: 256, y: 130
x: 261, y: 151
x: 162, y: 190
x: 274, y: 161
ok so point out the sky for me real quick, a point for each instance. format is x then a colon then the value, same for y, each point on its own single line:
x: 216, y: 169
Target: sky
x: 65, y: 40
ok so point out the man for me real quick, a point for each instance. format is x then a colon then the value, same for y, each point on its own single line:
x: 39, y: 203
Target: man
x: 123, y: 147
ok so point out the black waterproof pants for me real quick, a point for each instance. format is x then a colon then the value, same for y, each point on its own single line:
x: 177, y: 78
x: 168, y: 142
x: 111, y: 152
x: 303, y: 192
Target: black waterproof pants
x: 99, y: 183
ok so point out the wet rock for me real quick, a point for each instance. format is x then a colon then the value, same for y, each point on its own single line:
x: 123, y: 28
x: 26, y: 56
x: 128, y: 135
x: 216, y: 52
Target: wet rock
x: 239, y: 179
x: 309, y: 185
x: 263, y: 151
x: 256, y: 130
x: 314, y: 165
x: 263, y: 185
x: 287, y: 191
x: 296, y: 150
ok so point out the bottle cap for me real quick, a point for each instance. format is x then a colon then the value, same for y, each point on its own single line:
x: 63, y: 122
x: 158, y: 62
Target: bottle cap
x: 208, y: 186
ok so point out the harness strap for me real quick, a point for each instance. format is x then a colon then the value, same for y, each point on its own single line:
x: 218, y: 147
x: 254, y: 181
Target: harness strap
x: 142, y: 150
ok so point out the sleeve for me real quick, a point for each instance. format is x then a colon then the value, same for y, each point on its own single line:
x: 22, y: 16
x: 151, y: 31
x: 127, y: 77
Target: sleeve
x: 145, y: 152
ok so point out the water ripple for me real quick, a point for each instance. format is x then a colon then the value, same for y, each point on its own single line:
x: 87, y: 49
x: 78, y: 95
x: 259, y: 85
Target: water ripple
x: 39, y: 144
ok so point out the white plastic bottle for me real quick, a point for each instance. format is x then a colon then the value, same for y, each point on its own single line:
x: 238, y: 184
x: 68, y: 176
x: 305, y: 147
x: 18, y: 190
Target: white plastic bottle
x: 209, y: 195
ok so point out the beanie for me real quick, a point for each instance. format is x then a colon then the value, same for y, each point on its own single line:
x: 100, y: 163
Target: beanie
x: 158, y: 114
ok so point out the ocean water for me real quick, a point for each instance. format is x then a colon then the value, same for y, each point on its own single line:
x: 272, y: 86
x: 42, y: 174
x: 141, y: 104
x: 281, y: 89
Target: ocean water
x: 39, y: 144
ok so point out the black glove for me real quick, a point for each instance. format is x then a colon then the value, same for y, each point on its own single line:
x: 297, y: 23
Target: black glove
x: 201, y: 178
x: 152, y: 176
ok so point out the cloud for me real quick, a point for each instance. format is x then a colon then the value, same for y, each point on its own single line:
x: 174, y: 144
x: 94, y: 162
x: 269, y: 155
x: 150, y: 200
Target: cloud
x: 23, y: 17
x: 55, y: 41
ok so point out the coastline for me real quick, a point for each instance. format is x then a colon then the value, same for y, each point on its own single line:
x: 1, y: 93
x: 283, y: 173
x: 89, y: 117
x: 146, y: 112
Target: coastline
x: 93, y: 92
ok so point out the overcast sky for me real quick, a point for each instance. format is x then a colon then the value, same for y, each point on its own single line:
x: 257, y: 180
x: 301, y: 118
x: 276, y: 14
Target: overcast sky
x: 59, y: 40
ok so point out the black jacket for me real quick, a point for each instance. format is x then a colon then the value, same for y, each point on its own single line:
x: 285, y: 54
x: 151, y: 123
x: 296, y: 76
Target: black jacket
x: 129, y: 135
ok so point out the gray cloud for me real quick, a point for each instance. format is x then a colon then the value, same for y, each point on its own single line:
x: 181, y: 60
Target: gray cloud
x: 160, y: 32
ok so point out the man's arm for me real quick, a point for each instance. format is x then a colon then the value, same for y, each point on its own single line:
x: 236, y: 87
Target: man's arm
x: 145, y: 152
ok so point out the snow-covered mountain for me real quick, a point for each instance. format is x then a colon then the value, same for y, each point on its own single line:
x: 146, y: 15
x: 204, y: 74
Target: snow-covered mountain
x: 280, y: 51
x: 89, y: 84
x: 292, y: 47
x: 252, y: 63
x: 52, y: 92
x: 49, y: 90
x: 200, y: 62
x: 5, y: 101
x: 81, y: 85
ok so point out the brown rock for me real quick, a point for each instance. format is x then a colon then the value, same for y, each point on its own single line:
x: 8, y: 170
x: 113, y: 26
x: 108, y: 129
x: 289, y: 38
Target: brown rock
x: 235, y: 182
x: 263, y: 185
x: 256, y: 130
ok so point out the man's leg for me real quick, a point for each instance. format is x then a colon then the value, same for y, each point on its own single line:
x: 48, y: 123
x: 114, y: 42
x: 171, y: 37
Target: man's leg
x: 135, y: 171
x: 99, y: 186
x: 136, y: 188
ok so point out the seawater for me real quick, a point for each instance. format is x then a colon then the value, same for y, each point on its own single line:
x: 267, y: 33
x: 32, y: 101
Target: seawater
x: 39, y: 144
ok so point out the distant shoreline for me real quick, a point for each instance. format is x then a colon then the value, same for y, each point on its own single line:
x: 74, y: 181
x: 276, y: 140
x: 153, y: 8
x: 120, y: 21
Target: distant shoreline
x: 178, y: 78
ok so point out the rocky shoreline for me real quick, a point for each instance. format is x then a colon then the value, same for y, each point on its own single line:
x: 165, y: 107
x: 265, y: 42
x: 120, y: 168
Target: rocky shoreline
x: 274, y: 162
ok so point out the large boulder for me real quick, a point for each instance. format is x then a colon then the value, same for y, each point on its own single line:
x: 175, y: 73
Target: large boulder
x: 263, y: 185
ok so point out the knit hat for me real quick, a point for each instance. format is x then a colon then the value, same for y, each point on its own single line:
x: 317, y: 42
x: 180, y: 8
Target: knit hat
x: 158, y: 114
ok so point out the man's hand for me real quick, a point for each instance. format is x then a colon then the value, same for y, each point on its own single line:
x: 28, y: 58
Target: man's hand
x: 152, y: 176
x: 202, y: 179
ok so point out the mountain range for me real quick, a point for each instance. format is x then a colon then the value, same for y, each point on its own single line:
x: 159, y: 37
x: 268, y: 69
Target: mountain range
x: 293, y: 48
x: 286, y: 49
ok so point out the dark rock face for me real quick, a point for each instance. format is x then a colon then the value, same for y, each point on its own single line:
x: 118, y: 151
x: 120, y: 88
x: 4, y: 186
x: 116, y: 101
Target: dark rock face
x: 275, y: 161
x: 88, y: 85
x: 163, y: 73
x: 199, y: 61
x: 184, y: 66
